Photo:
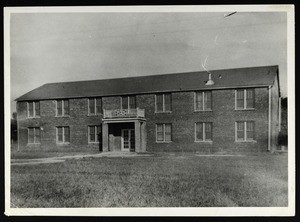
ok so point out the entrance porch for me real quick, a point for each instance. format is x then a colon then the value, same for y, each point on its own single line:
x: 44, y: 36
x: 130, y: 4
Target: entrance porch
x: 123, y: 133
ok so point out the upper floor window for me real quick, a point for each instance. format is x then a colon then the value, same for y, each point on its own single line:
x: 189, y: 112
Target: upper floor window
x: 203, y: 131
x: 163, y: 102
x: 62, y: 107
x: 34, y: 135
x: 164, y: 132
x: 95, y: 106
x: 63, y: 134
x: 128, y: 102
x: 244, y: 98
x: 203, y: 101
x: 33, y: 109
x: 244, y: 130
x: 94, y: 134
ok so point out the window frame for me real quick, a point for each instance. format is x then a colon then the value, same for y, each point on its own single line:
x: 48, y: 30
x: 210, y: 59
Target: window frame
x: 63, y: 135
x: 63, y: 108
x: 128, y: 102
x: 203, y: 101
x: 163, y: 103
x: 33, y: 109
x: 245, y: 138
x: 163, y: 133
x: 96, y: 133
x: 34, y: 135
x: 95, y: 106
x: 203, y: 132
x: 245, y: 99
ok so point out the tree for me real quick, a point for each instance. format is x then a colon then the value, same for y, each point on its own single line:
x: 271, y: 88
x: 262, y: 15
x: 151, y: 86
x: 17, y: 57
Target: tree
x: 14, y: 128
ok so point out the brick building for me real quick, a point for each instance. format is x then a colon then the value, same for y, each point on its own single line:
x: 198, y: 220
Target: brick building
x: 233, y: 110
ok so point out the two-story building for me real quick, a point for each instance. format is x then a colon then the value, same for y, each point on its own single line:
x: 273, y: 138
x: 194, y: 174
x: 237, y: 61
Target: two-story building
x: 233, y: 110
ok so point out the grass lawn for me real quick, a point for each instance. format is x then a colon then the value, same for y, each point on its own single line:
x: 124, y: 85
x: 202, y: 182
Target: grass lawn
x: 158, y: 181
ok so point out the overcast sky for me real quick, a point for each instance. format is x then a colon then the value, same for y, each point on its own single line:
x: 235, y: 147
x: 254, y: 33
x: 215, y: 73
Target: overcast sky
x: 52, y: 47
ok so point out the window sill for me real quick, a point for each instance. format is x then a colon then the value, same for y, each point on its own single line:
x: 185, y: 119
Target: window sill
x: 163, y: 141
x: 207, y: 141
x: 62, y: 143
x: 63, y: 116
x: 249, y: 109
x: 246, y: 141
x: 209, y: 110
x: 163, y: 112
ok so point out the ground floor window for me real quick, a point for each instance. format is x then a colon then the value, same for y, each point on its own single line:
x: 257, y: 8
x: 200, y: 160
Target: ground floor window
x: 34, y: 135
x: 63, y: 134
x: 94, y: 133
x: 203, y: 131
x: 164, y: 132
x: 244, y: 130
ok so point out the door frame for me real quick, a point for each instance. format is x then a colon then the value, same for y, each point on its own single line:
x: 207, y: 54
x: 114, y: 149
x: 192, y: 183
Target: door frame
x: 122, y: 139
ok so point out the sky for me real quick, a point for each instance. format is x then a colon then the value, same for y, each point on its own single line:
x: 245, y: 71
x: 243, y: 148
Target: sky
x: 59, y: 47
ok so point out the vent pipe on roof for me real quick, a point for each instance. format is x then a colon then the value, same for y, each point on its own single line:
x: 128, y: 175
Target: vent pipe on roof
x: 209, y: 81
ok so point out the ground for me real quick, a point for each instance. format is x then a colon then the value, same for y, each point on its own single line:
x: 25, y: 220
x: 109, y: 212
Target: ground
x: 161, y: 180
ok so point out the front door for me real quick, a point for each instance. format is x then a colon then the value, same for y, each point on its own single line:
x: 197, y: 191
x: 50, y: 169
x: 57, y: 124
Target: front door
x: 128, y: 139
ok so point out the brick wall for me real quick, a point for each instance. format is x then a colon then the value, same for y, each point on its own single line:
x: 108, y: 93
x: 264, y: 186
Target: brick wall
x: 183, y: 118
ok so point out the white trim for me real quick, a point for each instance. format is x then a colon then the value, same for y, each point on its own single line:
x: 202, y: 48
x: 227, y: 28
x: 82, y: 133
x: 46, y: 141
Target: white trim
x: 33, y: 109
x: 279, y: 114
x: 164, y: 133
x: 203, y: 132
x: 62, y: 107
x: 96, y: 133
x: 122, y: 139
x: 203, y: 102
x: 245, y: 139
x: 164, y: 108
x: 245, y: 99
x: 34, y: 135
x: 269, y: 125
x: 63, y: 135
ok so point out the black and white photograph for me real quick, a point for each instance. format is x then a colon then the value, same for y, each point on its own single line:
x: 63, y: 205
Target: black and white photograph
x: 150, y: 110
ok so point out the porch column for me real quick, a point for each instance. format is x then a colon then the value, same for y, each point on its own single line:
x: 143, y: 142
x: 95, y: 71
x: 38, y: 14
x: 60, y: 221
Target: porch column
x: 137, y: 131
x: 143, y: 136
x: 105, y: 137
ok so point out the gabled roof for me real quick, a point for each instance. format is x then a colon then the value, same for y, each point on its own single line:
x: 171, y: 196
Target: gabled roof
x: 228, y: 78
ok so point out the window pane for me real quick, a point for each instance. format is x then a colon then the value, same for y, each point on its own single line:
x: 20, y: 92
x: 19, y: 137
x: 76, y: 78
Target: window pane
x: 132, y: 102
x: 168, y: 102
x: 67, y: 134
x: 92, y: 133
x: 30, y: 109
x: 37, y: 108
x: 30, y: 135
x: 59, y: 107
x: 99, y: 105
x: 250, y: 98
x: 92, y: 106
x: 159, y: 103
x: 199, y: 101
x: 37, y: 135
x: 250, y: 130
x: 159, y: 135
x: 207, y: 100
x: 59, y: 134
x: 66, y: 107
x: 99, y: 134
x: 240, y: 99
x: 208, y: 131
x: 124, y: 102
x: 240, y: 131
x: 199, y: 131
x: 168, y: 132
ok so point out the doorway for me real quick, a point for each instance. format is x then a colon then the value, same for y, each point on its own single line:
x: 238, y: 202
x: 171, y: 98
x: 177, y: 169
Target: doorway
x: 127, y: 139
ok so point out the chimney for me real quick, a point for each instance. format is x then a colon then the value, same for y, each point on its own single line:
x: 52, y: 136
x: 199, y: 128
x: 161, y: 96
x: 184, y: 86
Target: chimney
x: 210, y: 81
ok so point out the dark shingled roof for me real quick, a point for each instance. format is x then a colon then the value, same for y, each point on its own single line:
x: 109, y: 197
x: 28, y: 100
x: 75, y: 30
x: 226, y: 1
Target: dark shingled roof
x: 229, y: 78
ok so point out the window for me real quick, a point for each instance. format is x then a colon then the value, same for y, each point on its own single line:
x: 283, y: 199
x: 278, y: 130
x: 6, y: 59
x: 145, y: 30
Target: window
x: 163, y: 102
x: 62, y: 107
x: 34, y: 135
x: 63, y: 134
x: 244, y: 130
x: 203, y: 131
x: 33, y: 109
x: 203, y: 101
x: 94, y: 106
x: 128, y: 102
x: 244, y: 98
x: 94, y: 134
x: 164, y: 132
